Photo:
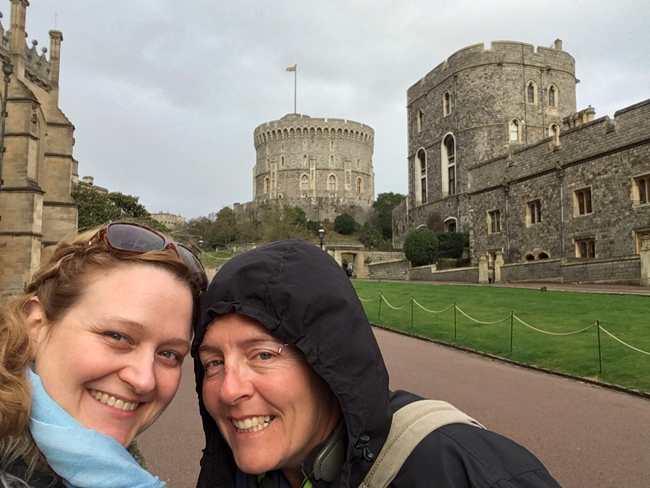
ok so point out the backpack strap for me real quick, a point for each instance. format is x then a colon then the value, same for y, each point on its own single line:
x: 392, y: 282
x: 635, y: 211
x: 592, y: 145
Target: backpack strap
x: 409, y: 426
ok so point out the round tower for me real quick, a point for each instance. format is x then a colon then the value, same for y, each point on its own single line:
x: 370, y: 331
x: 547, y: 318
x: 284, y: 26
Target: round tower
x: 322, y: 165
x: 478, y: 104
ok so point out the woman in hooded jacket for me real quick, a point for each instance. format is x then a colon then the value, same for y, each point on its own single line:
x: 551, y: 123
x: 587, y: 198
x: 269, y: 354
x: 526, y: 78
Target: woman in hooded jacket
x: 293, y: 390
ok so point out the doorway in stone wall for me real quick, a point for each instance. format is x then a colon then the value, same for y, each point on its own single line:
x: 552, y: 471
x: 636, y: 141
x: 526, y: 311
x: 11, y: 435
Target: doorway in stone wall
x: 351, y: 258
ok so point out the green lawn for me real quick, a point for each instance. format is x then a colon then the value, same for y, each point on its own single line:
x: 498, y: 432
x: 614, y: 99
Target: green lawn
x: 625, y: 316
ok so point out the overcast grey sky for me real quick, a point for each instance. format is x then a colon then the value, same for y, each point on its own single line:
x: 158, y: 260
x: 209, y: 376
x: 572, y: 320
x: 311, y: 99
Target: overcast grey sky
x: 165, y: 94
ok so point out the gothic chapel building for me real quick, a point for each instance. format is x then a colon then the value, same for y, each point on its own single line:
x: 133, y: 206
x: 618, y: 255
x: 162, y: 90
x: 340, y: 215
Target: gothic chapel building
x: 36, y: 206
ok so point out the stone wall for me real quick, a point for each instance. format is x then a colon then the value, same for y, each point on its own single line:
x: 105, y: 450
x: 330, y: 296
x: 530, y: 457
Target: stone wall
x: 382, y: 256
x: 547, y: 270
x: 392, y: 270
x: 622, y: 271
x: 626, y: 270
x: 604, y: 156
x: 429, y: 273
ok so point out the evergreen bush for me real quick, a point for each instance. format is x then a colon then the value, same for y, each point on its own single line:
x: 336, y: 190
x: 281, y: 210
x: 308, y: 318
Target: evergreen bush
x: 421, y: 247
x: 345, y: 224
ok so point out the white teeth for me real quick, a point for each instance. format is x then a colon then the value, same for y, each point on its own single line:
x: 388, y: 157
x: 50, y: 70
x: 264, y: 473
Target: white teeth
x: 111, y: 401
x: 253, y: 424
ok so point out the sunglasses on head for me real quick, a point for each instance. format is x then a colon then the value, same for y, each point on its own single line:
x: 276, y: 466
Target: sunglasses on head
x: 134, y: 238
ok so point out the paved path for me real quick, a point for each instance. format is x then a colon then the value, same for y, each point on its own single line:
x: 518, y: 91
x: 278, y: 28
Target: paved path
x: 587, y: 436
x: 577, y: 287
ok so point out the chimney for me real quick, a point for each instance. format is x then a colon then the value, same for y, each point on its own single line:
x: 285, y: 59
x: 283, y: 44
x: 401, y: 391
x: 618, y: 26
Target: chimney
x: 558, y: 44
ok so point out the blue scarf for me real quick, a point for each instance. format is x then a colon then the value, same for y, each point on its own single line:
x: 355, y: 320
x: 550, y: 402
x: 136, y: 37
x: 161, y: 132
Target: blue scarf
x: 82, y: 457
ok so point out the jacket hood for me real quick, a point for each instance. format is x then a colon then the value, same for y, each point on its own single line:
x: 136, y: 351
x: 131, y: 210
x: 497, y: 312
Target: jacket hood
x: 305, y: 299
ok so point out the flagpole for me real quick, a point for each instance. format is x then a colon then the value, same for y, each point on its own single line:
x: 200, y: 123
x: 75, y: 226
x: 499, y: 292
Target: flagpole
x: 295, y: 87
x: 294, y: 68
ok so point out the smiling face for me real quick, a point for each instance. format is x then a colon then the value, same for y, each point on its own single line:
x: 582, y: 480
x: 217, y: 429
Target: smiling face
x: 113, y: 361
x: 270, y: 405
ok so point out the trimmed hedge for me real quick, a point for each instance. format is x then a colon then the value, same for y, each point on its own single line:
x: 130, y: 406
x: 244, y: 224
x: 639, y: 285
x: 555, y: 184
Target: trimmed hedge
x: 452, y: 244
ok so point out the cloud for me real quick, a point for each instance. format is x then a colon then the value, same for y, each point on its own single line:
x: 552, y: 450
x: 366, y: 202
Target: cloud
x: 165, y: 95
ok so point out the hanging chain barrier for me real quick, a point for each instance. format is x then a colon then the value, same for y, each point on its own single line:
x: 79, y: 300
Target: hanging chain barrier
x: 512, y: 317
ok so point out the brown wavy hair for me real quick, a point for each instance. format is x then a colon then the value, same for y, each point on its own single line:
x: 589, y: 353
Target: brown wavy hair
x: 59, y: 284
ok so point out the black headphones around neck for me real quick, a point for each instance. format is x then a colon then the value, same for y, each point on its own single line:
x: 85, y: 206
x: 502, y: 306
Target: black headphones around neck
x: 323, y: 464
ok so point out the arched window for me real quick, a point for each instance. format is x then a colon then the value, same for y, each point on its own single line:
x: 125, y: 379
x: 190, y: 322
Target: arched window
x: 304, y: 161
x: 446, y: 104
x: 268, y: 164
x: 450, y: 225
x: 359, y: 185
x: 358, y: 163
x: 332, y: 161
x: 552, y: 96
x: 331, y: 183
x: 514, y: 131
x: 281, y: 161
x: 304, y: 183
x: 420, y: 119
x: 267, y: 185
x: 421, y: 177
x: 449, y: 166
x: 531, y: 92
x: 554, y: 132
x: 282, y: 146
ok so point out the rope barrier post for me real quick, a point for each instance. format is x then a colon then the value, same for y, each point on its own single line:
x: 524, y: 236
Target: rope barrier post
x: 411, y: 312
x: 379, y: 313
x: 600, y: 354
x: 512, y: 327
x: 454, y: 321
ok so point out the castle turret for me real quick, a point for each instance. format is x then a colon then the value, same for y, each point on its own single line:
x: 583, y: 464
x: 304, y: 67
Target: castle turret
x: 321, y: 165
x: 479, y: 103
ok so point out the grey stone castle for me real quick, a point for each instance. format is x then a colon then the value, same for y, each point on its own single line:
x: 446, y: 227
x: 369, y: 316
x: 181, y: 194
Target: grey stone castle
x: 322, y: 165
x: 497, y: 149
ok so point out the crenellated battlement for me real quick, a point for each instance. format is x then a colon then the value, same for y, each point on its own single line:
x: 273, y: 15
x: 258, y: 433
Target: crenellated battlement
x: 501, y: 54
x: 38, y: 67
x: 35, y: 63
x: 298, y: 126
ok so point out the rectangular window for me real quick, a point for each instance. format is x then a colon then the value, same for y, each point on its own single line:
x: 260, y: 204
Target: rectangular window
x: 452, y: 180
x: 534, y: 212
x: 494, y: 221
x: 641, y: 187
x: 583, y: 201
x: 423, y: 182
x: 585, y: 248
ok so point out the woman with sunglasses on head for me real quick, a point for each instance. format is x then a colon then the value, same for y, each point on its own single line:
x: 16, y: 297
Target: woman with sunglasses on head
x: 91, y: 355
